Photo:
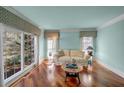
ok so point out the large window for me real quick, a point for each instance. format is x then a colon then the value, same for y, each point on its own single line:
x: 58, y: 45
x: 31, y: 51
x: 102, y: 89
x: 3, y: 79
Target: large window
x: 86, y: 42
x: 11, y: 53
x: 18, y: 52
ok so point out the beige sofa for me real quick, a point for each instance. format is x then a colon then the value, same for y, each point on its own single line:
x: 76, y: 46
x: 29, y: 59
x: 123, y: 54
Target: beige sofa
x: 66, y: 56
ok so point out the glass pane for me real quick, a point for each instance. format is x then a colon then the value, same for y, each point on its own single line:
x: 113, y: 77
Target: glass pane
x: 51, y: 47
x: 11, y: 53
x: 28, y: 49
x: 87, y: 41
x: 50, y: 44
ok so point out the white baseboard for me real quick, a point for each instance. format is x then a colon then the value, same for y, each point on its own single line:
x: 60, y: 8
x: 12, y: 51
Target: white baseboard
x: 110, y: 68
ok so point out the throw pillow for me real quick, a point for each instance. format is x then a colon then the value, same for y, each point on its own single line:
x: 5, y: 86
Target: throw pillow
x: 61, y: 53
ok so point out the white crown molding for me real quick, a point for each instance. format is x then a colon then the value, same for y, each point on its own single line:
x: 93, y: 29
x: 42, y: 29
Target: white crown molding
x: 77, y: 29
x: 69, y: 30
x: 112, y: 21
x: 12, y: 10
x: 120, y: 73
x: 88, y: 29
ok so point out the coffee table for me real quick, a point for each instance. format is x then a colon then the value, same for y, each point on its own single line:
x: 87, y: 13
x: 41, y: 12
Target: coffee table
x: 72, y: 72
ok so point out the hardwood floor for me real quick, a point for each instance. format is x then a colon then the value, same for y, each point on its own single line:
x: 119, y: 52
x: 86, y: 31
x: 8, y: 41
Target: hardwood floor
x: 53, y: 76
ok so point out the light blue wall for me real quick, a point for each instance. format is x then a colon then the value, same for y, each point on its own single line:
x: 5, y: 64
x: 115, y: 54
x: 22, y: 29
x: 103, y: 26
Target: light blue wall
x: 69, y: 40
x: 41, y: 46
x: 110, y: 46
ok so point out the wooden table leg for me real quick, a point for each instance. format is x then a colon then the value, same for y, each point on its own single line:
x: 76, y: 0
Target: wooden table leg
x: 65, y: 77
x: 78, y: 78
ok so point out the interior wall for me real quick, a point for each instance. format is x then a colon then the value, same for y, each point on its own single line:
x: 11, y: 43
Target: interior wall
x: 67, y: 40
x: 41, y: 46
x: 110, y: 44
x: 70, y: 40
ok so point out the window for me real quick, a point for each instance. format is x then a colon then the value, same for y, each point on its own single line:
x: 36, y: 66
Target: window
x: 86, y: 42
x: 28, y: 49
x: 51, y: 47
x: 11, y: 53
x: 18, y: 52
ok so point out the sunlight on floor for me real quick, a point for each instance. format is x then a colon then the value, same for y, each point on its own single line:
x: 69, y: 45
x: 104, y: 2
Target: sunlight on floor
x: 50, y: 72
x: 87, y: 79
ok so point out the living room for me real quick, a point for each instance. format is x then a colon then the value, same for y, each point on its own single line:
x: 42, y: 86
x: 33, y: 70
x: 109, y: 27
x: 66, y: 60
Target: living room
x: 67, y: 29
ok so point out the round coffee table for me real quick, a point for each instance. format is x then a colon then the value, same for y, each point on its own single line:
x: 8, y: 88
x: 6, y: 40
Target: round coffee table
x: 72, y: 72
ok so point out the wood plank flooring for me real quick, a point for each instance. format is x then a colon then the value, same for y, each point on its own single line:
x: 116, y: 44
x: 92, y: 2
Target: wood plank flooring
x: 46, y: 75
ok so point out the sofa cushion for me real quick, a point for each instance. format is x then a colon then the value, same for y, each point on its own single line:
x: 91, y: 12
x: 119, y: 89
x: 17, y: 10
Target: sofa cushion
x: 67, y: 52
x: 76, y: 53
x: 61, y: 53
